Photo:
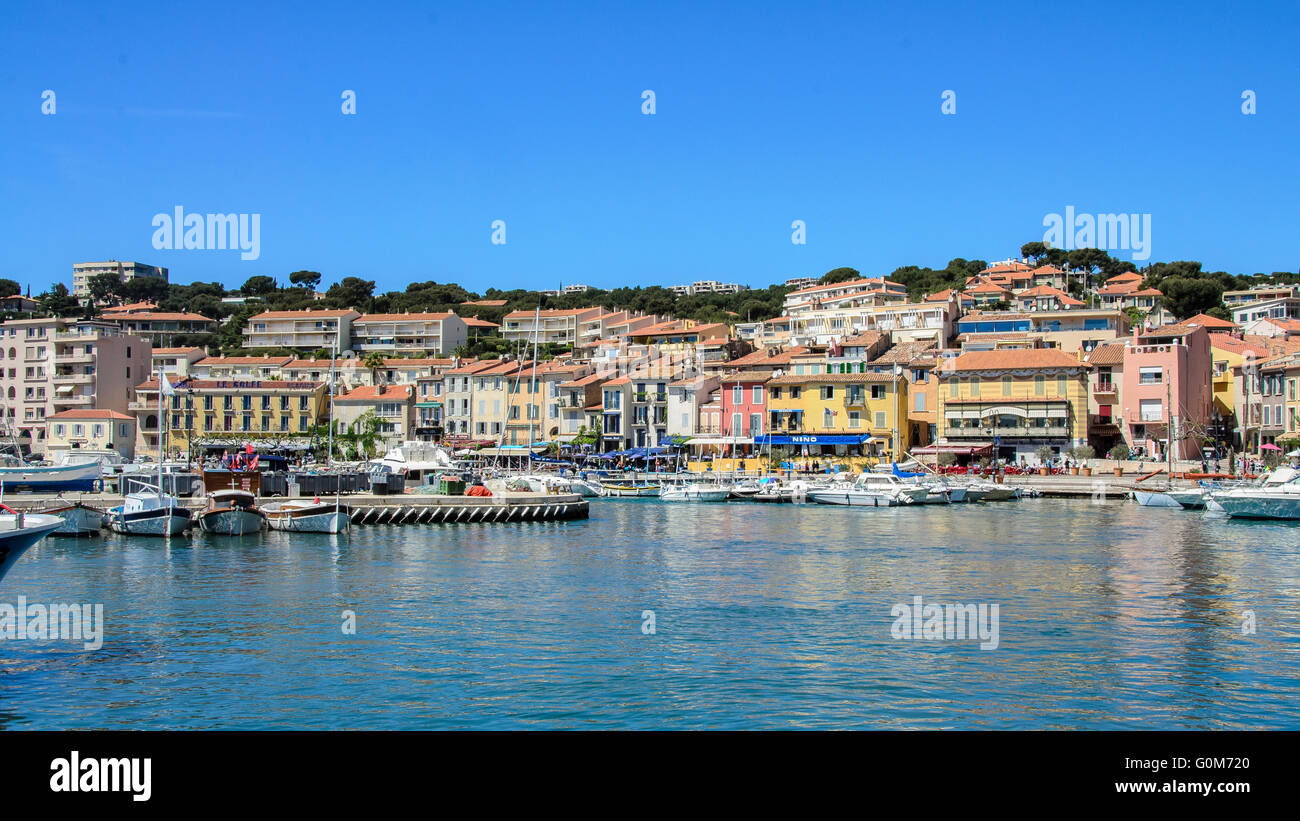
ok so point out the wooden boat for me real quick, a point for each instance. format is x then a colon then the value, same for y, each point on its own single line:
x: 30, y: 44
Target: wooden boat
x: 232, y: 513
x: 249, y: 481
x: 630, y: 490
x: 79, y: 519
x: 305, y: 516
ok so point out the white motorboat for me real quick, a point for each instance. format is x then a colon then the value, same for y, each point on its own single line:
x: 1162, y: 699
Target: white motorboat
x: 1276, y: 496
x: 695, y: 492
x: 870, y: 490
x: 19, y: 531
x: 301, y: 515
x: 232, y: 513
x: 990, y: 492
x: 148, y: 513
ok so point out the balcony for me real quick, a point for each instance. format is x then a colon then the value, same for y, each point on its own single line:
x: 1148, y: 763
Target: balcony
x: 74, y: 379
x: 1104, y: 390
x: 75, y: 358
x: 1016, y: 432
x: 75, y: 400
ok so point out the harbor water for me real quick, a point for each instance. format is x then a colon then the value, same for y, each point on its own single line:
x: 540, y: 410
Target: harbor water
x: 1110, y: 616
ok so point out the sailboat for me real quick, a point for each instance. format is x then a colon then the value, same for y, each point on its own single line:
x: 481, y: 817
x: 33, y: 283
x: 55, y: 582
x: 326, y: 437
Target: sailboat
x: 149, y: 511
x: 1155, y: 495
x: 314, y: 516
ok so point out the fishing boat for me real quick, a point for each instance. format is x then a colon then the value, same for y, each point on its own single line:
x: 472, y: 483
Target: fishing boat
x: 305, y: 516
x: 79, y: 519
x: 19, y: 531
x: 231, y: 513
x: 24, y: 478
x: 990, y: 492
x: 148, y: 513
x: 695, y: 492
x: 870, y: 490
x: 1276, y: 496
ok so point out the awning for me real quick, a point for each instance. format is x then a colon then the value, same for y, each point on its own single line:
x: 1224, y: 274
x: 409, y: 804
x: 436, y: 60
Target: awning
x: 813, y: 439
x: 973, y: 449
x: 719, y: 440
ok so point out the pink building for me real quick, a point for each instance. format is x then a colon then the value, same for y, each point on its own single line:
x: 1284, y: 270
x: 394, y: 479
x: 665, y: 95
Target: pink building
x: 1167, y: 369
x: 744, y: 403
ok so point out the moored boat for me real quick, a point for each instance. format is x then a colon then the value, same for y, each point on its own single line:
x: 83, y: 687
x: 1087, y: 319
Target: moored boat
x: 870, y: 490
x: 1277, y: 496
x: 22, y: 478
x: 19, y: 531
x: 79, y: 519
x: 231, y: 513
x: 148, y: 513
x: 695, y: 492
x: 303, y: 516
x: 630, y: 490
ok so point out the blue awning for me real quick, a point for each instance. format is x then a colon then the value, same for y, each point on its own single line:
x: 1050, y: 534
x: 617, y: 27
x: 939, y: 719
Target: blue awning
x: 812, y: 439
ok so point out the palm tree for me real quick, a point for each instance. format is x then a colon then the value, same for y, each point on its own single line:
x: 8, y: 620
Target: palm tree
x: 375, y: 362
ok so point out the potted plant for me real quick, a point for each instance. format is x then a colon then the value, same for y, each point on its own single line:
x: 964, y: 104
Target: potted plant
x: 1081, y: 455
x: 1045, y: 455
x: 1119, y: 453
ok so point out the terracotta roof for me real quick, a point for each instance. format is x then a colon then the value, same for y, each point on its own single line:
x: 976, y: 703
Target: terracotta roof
x: 470, y: 368
x: 1015, y: 358
x: 590, y: 379
x: 763, y: 358
x: 1207, y: 321
x: 90, y: 413
x: 278, y: 361
x: 307, y: 314
x: 486, y: 303
x: 863, y: 340
x: 176, y: 351
x: 475, y: 322
x: 829, y: 378
x: 158, y: 316
x: 1106, y: 355
x: 552, y: 313
x: 747, y: 376
x: 367, y: 393
x: 400, y: 317
x: 412, y: 362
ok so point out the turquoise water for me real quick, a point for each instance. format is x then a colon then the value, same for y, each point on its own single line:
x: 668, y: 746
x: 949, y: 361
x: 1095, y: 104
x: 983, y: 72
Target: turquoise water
x: 766, y: 616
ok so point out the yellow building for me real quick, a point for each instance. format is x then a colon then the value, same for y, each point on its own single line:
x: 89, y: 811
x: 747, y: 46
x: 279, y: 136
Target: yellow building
x: 839, y: 416
x: 1227, y: 355
x: 229, y: 413
x: 1010, y: 403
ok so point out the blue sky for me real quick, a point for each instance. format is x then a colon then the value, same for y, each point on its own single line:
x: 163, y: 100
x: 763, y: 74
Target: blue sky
x: 531, y: 113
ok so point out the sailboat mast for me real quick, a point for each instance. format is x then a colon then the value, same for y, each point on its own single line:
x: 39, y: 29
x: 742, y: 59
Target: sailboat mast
x: 532, y: 388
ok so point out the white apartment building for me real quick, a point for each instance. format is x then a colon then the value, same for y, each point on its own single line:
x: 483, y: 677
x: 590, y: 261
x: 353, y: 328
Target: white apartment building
x: 431, y: 333
x: 553, y: 326
x: 906, y: 322
x: 301, y: 330
x: 851, y: 293
x: 708, y: 286
x: 83, y: 272
x: 55, y: 364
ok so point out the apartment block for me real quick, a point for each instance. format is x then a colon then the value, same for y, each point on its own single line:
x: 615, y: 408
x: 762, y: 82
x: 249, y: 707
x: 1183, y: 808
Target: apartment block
x: 404, y: 334
x: 301, y: 330
x: 83, y: 272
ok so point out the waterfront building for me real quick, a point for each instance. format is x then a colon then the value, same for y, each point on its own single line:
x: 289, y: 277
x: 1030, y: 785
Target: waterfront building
x: 1167, y: 375
x: 616, y: 417
x: 492, y: 389
x: 89, y: 429
x: 1280, y: 425
x: 159, y: 327
x: 458, y: 386
x: 904, y: 322
x: 1105, y: 420
x: 744, y: 405
x: 686, y: 397
x: 49, y: 365
x: 1015, y: 400
x: 406, y: 334
x: 83, y: 272
x: 1228, y: 385
x: 321, y: 330
x: 576, y: 397
x: 227, y: 413
x: 917, y: 361
x: 348, y: 372
x: 844, y: 415
x: 428, y: 408
x: 390, y: 409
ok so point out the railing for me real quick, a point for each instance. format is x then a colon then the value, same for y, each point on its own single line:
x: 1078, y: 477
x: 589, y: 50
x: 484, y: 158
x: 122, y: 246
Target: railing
x: 984, y: 432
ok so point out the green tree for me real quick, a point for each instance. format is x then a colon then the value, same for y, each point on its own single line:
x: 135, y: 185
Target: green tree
x: 258, y: 286
x: 59, y: 302
x: 305, y: 279
x: 9, y: 287
x: 839, y: 275
x: 144, y: 289
x: 106, y: 287
x: 351, y: 292
x: 375, y: 362
x: 1188, y: 297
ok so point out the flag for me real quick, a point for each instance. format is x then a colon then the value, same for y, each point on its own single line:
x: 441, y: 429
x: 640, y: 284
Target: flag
x: 167, y: 389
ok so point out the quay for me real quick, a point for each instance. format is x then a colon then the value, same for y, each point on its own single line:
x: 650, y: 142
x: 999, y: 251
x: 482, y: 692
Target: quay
x: 394, y: 509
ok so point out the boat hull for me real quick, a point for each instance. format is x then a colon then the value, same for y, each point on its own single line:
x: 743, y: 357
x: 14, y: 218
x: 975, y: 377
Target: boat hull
x: 315, y: 519
x: 854, y: 498
x: 630, y: 491
x: 1155, y: 498
x: 78, y: 520
x: 231, y: 522
x: 60, y: 479
x: 157, y: 522
x: 14, y: 542
x: 1259, y: 508
x: 694, y: 494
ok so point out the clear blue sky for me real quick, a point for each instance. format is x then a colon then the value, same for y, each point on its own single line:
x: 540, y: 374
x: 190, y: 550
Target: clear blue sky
x: 531, y: 113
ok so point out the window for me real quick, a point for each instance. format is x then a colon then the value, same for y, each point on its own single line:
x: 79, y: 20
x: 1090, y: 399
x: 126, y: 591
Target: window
x: 855, y: 419
x: 755, y: 424
x: 953, y: 387
x: 758, y: 394
x: 881, y: 419
x: 1150, y: 376
x: 736, y: 427
x: 1061, y: 386
x: 1151, y: 410
x: 828, y: 419
x: 1006, y: 385
x: 974, y: 387
x: 1040, y: 386
x: 877, y: 391
x: 828, y: 391
x: 920, y: 401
